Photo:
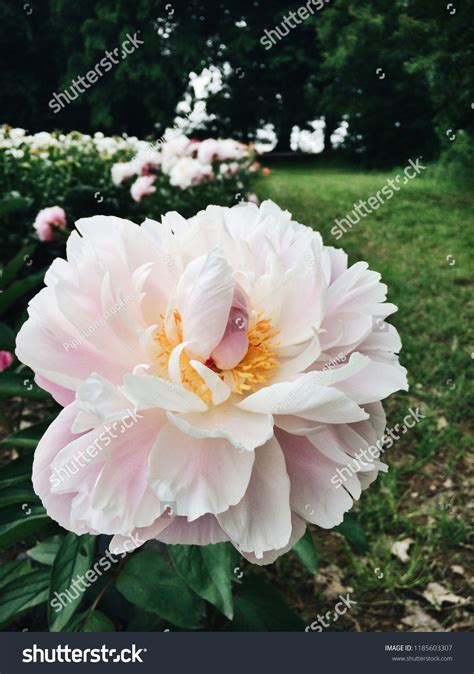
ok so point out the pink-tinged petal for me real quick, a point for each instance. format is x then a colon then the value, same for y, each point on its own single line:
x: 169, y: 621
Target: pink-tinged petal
x: 303, y: 293
x: 122, y: 491
x: 377, y: 381
x: 314, y: 494
x: 388, y: 340
x: 106, y: 472
x: 305, y: 357
x: 98, y: 400
x: 200, y: 475
x: 204, y: 299
x: 342, y: 444
x: 244, y: 430
x: 378, y: 422
x: 298, y: 529
x: 203, y: 531
x: 344, y: 332
x: 62, y: 395
x: 338, y: 262
x: 125, y: 544
x: 69, y: 334
x: 356, y: 289
x: 262, y: 519
x: 58, y: 435
x: 298, y: 426
x: 235, y: 342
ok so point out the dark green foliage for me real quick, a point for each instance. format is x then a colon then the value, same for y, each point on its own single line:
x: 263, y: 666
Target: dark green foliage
x: 400, y: 71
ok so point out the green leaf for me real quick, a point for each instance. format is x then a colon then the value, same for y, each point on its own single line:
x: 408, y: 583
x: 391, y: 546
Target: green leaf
x: 149, y: 583
x: 73, y: 559
x: 307, y: 552
x: 22, y: 493
x: 95, y: 622
x: 7, y: 338
x: 20, y: 260
x: 143, y: 621
x: 206, y: 569
x: 17, y: 385
x: 29, y: 437
x: 22, y: 594
x: 259, y: 607
x: 353, y: 532
x: 98, y: 622
x: 16, y: 471
x: 13, y: 202
x: 17, y: 523
x: 45, y: 552
x: 13, y: 569
x: 19, y: 288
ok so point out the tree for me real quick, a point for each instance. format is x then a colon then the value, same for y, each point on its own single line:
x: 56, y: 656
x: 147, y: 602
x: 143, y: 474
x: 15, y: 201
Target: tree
x: 365, y: 78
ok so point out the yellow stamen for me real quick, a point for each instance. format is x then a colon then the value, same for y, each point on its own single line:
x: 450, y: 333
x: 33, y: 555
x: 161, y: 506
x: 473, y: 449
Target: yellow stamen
x: 257, y: 365
x: 253, y: 371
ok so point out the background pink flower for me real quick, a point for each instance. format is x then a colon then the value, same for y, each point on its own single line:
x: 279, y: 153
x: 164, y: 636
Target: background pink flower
x: 48, y: 220
x: 143, y: 187
x: 6, y: 359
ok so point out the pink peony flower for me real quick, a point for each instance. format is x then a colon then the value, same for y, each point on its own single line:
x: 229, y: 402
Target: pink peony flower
x: 6, y: 359
x: 143, y: 187
x: 253, y: 199
x: 49, y: 219
x: 221, y: 402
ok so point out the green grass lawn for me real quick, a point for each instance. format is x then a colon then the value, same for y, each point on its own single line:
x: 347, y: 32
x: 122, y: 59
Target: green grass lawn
x: 419, y: 241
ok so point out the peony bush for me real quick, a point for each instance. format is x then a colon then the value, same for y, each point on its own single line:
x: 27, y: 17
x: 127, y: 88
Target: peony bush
x: 185, y: 162
x: 83, y: 174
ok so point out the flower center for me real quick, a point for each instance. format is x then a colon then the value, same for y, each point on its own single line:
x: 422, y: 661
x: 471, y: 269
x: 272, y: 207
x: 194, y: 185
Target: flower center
x: 252, y: 372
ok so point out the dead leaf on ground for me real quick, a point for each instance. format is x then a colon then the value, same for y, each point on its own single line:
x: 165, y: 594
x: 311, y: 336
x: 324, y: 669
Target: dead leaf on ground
x: 419, y: 621
x: 400, y: 549
x: 437, y: 595
x: 329, y: 580
x: 441, y: 423
x: 456, y: 568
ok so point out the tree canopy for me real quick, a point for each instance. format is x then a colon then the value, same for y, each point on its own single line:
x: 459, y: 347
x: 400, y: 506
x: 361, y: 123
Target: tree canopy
x: 399, y: 71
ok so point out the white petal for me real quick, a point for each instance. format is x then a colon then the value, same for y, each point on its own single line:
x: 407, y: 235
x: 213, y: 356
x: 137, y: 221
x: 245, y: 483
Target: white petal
x: 204, y: 299
x: 298, y: 529
x: 262, y: 519
x: 305, y: 399
x: 220, y: 391
x: 149, y: 392
x: 200, y: 476
x: 203, y: 531
x: 245, y: 430
x: 314, y: 494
